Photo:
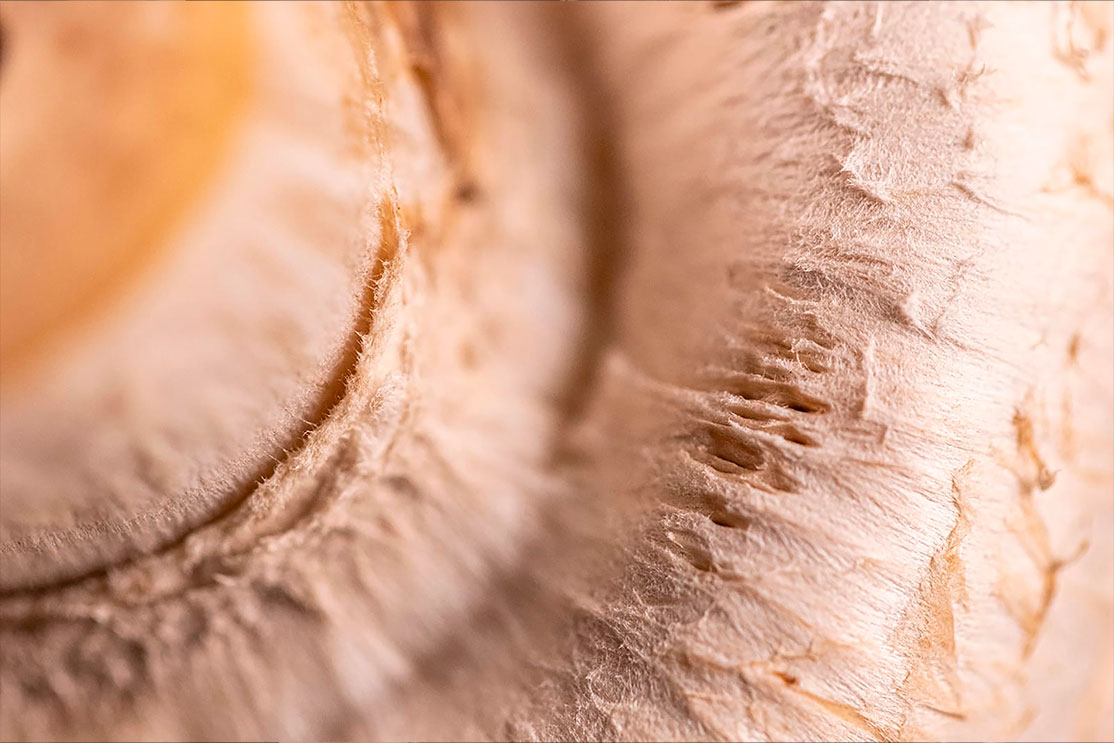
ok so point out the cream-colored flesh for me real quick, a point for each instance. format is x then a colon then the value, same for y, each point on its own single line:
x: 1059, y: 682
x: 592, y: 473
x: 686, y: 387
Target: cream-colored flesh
x: 736, y: 371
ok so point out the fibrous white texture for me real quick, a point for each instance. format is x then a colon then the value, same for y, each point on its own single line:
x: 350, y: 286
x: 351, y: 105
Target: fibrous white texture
x: 258, y: 298
x: 825, y: 454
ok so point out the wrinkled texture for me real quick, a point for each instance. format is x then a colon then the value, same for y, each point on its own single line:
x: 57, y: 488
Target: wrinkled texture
x: 724, y: 371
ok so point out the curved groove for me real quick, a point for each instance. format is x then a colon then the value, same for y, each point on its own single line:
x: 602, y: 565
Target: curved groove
x: 332, y: 393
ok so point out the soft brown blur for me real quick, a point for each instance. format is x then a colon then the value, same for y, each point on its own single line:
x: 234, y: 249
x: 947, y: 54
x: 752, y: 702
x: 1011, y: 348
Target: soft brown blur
x: 104, y: 147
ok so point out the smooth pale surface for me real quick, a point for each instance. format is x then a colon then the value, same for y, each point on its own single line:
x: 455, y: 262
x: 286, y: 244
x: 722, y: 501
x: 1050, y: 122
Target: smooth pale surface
x: 104, y: 147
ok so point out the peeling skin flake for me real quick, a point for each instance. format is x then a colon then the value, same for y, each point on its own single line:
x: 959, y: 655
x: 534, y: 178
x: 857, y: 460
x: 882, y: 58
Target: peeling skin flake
x: 653, y: 371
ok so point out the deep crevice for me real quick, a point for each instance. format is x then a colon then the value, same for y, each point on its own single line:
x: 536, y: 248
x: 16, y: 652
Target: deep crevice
x: 607, y: 202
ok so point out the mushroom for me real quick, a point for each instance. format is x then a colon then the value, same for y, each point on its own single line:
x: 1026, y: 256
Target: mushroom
x: 641, y: 371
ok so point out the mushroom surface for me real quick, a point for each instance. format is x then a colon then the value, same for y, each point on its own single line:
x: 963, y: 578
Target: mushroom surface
x: 640, y: 371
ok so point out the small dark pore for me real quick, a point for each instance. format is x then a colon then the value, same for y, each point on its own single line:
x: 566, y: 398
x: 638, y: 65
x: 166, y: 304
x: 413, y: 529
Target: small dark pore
x: 794, y: 435
x: 1073, y: 349
x: 788, y: 678
x: 467, y: 192
x: 729, y: 520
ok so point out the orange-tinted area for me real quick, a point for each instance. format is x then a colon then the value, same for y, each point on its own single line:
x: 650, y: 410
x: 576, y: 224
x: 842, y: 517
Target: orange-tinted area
x: 113, y: 116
